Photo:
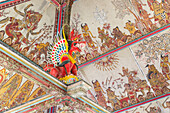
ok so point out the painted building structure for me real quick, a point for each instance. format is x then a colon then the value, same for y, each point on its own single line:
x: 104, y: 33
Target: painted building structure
x: 124, y: 67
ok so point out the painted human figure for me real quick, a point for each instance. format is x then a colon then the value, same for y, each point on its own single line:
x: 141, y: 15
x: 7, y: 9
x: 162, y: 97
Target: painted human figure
x: 165, y: 65
x: 131, y: 93
x: 128, y: 74
x: 166, y: 6
x: 159, y: 13
x: 157, y: 80
x: 112, y: 98
x: 130, y: 27
x: 29, y: 22
x: 105, y: 39
x: 139, y: 25
x: 117, y: 33
x: 99, y: 93
x: 150, y: 2
x: 88, y: 36
x: 146, y: 19
x: 138, y: 5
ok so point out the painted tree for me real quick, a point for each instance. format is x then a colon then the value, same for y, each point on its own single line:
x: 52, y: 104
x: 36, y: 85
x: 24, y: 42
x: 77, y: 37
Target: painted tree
x: 121, y: 8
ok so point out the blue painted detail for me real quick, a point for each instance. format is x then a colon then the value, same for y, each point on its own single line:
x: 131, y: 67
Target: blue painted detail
x: 91, y: 105
x: 53, y: 110
x: 25, y: 110
x: 6, y: 1
x: 63, y: 48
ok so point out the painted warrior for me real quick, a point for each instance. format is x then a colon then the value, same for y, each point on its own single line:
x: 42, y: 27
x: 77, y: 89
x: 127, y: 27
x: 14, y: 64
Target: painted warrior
x: 88, y: 36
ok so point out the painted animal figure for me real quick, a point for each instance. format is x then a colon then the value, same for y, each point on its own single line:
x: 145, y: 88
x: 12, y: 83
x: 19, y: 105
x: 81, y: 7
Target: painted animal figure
x: 63, y: 55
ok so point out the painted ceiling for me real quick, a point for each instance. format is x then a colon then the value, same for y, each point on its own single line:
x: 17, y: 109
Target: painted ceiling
x: 126, y: 58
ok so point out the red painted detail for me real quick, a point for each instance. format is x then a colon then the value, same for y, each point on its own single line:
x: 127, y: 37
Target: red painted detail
x: 55, y: 2
x: 1, y: 78
x: 64, y: 58
x: 64, y: 4
x: 51, y: 109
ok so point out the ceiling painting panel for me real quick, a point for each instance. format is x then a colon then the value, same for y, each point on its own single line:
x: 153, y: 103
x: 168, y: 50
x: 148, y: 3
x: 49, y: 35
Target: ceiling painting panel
x: 121, y: 85
x: 152, y: 55
x: 131, y: 75
x: 158, y: 106
x: 165, y: 104
x: 108, y: 25
x: 28, y: 28
x: 127, y: 80
x: 16, y: 89
x: 152, y: 107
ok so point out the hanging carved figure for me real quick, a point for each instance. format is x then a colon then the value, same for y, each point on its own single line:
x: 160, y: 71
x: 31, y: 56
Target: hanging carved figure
x: 63, y: 56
